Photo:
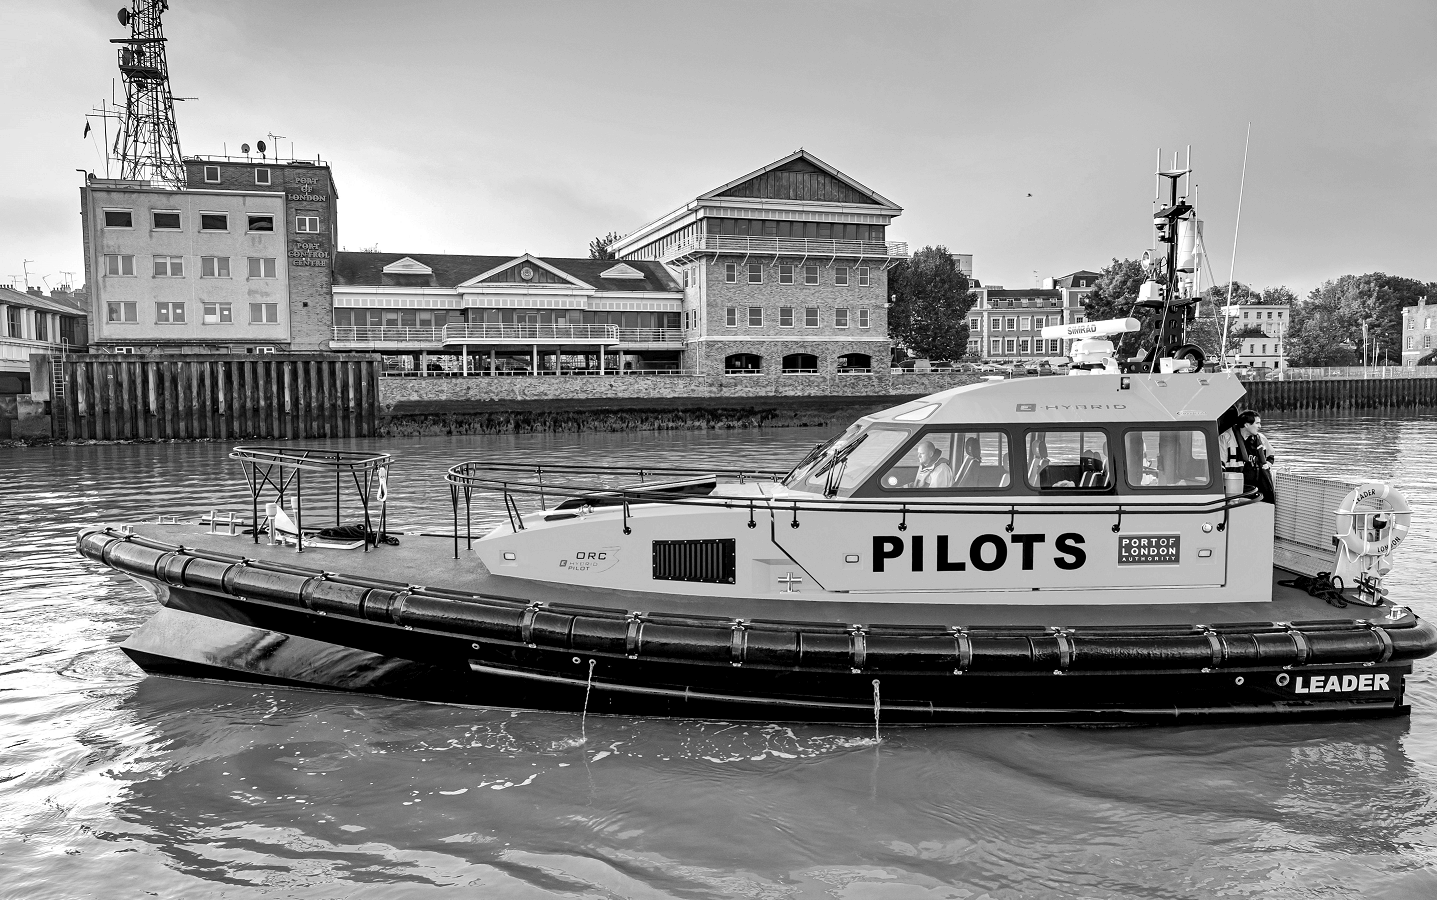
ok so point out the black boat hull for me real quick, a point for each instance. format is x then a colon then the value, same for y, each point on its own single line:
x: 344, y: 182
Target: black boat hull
x: 230, y: 619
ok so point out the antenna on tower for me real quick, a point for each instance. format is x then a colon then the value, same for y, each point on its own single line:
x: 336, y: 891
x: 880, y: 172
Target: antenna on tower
x: 148, y: 143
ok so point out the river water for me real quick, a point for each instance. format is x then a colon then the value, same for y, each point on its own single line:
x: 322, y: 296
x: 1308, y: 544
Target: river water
x: 115, y: 785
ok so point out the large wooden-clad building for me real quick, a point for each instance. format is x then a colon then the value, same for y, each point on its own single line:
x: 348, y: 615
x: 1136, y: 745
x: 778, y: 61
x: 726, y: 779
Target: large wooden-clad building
x: 783, y: 271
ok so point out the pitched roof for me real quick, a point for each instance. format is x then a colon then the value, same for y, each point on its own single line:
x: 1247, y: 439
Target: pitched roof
x: 451, y: 270
x: 63, y: 306
x: 804, y: 177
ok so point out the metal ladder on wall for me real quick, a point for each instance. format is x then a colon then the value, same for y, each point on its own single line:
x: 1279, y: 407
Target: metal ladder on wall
x: 57, y: 390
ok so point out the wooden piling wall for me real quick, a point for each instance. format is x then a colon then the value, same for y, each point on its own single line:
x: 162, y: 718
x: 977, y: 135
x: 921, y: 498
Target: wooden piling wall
x: 224, y: 397
x: 1339, y: 395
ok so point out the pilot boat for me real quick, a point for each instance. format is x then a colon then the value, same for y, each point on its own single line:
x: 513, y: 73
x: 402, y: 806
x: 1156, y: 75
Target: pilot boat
x: 1079, y: 549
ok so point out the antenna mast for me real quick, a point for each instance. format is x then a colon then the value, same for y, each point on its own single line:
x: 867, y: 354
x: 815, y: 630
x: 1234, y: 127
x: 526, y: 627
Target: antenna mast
x: 148, y: 143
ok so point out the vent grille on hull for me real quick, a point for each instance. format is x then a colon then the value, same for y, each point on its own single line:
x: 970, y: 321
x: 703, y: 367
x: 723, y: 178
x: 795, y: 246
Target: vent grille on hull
x: 710, y: 561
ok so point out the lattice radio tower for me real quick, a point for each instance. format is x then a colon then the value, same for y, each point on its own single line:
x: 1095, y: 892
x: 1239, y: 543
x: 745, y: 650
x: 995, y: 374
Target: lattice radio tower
x: 148, y: 143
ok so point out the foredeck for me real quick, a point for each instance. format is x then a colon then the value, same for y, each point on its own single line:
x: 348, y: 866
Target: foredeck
x: 428, y: 560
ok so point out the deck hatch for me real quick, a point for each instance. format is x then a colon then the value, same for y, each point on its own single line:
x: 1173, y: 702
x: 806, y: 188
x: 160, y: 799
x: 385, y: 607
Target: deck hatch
x: 710, y: 561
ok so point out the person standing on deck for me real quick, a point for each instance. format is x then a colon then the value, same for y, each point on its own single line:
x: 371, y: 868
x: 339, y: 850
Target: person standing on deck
x: 1258, y: 472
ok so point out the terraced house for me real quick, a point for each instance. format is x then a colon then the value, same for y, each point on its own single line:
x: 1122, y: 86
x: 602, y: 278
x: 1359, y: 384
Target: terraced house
x: 783, y: 272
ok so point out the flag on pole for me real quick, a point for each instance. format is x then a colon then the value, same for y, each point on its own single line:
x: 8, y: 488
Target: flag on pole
x: 87, y: 129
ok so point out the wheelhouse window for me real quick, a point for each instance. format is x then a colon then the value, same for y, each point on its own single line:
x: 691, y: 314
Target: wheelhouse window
x: 848, y: 462
x: 1069, y: 460
x: 952, y: 460
x: 1167, y: 458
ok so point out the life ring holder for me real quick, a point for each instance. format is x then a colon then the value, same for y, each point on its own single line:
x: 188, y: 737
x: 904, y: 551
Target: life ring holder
x: 1398, y: 509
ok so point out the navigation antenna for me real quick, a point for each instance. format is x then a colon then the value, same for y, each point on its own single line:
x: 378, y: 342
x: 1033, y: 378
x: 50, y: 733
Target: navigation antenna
x: 148, y: 143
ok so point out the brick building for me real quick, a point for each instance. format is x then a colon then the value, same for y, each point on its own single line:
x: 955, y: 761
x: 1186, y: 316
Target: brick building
x: 1418, y: 333
x: 238, y: 259
x: 1266, y: 327
x: 783, y: 271
x: 1007, y: 325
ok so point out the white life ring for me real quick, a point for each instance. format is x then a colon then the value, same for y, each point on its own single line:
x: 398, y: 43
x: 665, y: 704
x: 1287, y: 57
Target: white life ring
x: 382, y: 494
x: 1390, y: 501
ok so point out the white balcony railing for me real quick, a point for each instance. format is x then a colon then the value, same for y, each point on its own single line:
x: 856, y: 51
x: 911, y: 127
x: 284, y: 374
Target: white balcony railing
x: 531, y: 334
x: 375, y: 334
x: 651, y: 336
x: 781, y: 246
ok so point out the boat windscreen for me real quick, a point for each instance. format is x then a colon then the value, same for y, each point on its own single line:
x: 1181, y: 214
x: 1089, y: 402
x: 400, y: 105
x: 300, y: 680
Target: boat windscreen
x: 855, y: 459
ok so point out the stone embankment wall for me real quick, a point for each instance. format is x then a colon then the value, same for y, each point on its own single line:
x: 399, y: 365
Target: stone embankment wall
x: 413, y: 406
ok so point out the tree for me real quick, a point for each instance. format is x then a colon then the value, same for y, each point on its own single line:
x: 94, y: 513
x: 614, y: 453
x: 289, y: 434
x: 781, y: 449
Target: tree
x: 931, y: 299
x: 1115, y: 291
x: 599, y: 246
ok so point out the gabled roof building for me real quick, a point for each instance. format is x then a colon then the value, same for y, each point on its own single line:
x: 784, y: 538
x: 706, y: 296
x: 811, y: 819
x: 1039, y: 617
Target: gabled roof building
x: 783, y: 271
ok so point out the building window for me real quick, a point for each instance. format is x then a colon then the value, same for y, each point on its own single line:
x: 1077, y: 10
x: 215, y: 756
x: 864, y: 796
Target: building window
x: 1040, y: 322
x: 212, y: 174
x: 1264, y: 349
x: 1411, y: 343
x: 1026, y: 323
x: 1011, y: 324
x: 165, y: 220
x: 755, y: 317
x: 785, y: 317
x: 264, y: 313
x: 730, y: 316
x: 214, y: 267
x: 310, y: 225
x: 170, y: 313
x: 261, y: 176
x: 1427, y: 322
x: 800, y: 364
x: 996, y: 324
x: 810, y: 317
x: 996, y: 345
x: 863, y: 276
x: 214, y: 221
x: 840, y: 317
x: 1010, y: 344
x: 840, y: 276
x: 743, y: 364
x: 1426, y: 340
x: 810, y: 274
x: 755, y: 273
x: 119, y: 218
x: 42, y: 327
x: 973, y: 324
x: 169, y: 266
x: 863, y: 317
x: 785, y: 274
x: 126, y: 311
x: 119, y: 264
x: 1055, y: 347
x: 261, y: 267
x: 261, y: 223
x: 218, y: 314
x: 730, y: 273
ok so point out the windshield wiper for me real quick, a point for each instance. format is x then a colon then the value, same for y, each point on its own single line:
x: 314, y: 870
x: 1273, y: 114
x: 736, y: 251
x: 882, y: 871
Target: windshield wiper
x: 840, y: 455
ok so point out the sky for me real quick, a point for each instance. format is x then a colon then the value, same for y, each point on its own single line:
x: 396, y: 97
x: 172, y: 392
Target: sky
x: 1024, y: 133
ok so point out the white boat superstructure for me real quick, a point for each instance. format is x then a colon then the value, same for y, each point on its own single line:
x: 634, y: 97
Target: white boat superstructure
x: 1101, y: 489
